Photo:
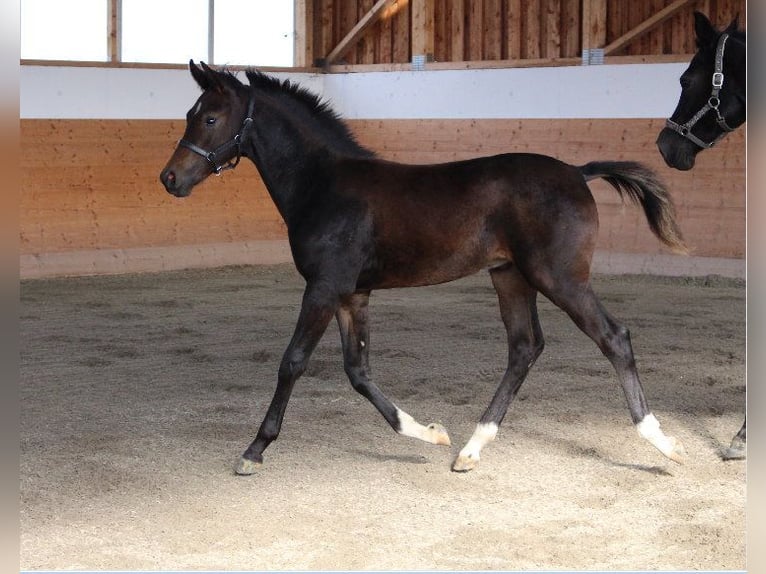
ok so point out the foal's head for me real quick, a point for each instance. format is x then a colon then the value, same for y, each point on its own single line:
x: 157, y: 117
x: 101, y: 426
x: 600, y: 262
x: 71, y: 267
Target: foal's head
x: 214, y: 127
x: 712, y: 101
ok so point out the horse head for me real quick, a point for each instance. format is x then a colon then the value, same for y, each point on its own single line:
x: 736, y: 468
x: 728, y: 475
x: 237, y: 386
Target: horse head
x: 712, y: 101
x: 216, y: 127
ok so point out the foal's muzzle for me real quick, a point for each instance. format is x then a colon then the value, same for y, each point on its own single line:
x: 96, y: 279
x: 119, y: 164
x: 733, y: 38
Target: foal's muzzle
x: 170, y: 180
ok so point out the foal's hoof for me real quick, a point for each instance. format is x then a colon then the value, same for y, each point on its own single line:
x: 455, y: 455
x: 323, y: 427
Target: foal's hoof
x: 677, y: 452
x: 246, y: 467
x: 438, y: 434
x: 736, y: 451
x: 464, y: 463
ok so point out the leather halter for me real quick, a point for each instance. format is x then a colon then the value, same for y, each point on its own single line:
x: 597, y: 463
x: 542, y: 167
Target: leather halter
x: 713, y: 103
x: 235, y: 142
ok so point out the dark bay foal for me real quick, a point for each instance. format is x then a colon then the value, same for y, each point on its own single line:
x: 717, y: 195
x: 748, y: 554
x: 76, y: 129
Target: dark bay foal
x: 358, y: 223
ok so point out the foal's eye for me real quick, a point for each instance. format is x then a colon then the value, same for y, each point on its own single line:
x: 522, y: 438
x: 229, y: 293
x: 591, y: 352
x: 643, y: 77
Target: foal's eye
x: 210, y: 121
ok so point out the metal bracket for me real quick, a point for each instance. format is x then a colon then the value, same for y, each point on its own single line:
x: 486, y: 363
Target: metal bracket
x: 592, y: 56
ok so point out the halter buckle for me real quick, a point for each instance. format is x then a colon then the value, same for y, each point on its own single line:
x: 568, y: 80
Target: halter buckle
x: 717, y: 79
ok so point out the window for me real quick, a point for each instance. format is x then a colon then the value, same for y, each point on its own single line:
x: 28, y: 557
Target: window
x: 235, y: 32
x: 71, y: 30
x: 254, y: 32
x: 165, y: 31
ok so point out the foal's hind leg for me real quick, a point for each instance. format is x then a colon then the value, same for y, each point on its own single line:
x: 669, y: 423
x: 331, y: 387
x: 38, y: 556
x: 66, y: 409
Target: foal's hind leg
x: 353, y: 321
x: 738, y: 449
x: 518, y: 308
x: 581, y: 304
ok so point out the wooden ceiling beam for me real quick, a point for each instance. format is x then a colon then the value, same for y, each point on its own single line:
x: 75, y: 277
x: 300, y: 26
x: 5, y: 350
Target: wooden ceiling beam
x: 350, y: 40
x: 646, y: 26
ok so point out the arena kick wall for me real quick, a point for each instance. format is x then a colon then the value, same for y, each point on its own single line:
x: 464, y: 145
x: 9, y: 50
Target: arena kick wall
x: 93, y: 141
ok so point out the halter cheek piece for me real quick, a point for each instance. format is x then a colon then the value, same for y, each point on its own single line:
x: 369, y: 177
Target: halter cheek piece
x: 712, y: 104
x: 235, y: 142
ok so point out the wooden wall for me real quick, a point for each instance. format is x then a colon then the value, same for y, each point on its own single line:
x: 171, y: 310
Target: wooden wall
x: 676, y: 36
x: 80, y: 194
x: 485, y: 30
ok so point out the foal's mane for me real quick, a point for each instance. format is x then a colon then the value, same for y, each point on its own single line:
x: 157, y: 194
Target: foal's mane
x: 314, y: 114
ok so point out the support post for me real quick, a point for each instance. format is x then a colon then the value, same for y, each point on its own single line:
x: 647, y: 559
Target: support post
x: 422, y: 30
x: 303, y: 48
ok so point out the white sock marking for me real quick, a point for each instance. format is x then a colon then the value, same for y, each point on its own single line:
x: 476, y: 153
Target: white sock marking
x: 649, y: 428
x: 484, y: 433
x: 408, y: 426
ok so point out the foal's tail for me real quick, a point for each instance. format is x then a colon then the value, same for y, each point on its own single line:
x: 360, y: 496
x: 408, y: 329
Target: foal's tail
x: 643, y: 187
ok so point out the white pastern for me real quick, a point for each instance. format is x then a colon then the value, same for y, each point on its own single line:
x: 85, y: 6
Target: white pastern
x: 484, y: 433
x: 433, y: 433
x: 649, y: 428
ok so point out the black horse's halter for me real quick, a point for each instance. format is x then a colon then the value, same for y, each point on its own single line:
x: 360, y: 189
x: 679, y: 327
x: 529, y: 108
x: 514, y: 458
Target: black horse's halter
x: 713, y: 103
x: 235, y: 142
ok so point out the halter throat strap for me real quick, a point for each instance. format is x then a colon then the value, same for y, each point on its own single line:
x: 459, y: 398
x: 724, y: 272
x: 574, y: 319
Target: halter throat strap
x: 235, y: 142
x: 712, y: 103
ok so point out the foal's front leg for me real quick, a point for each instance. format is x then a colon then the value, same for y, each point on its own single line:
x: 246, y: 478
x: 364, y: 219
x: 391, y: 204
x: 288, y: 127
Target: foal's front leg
x: 318, y: 307
x: 353, y: 320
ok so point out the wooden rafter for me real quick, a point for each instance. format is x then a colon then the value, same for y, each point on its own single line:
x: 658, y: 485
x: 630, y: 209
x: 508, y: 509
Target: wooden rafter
x: 646, y: 26
x: 357, y: 31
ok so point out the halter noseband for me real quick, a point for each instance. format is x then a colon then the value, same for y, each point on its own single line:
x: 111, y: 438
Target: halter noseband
x: 712, y: 104
x: 235, y: 142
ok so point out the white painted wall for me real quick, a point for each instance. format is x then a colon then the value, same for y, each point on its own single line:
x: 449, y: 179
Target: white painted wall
x: 607, y: 91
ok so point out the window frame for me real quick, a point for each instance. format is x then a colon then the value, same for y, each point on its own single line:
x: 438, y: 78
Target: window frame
x: 114, y: 43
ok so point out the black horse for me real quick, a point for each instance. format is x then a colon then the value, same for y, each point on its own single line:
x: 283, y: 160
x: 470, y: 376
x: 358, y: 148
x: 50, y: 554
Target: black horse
x: 357, y: 223
x: 713, y: 103
x: 713, y: 95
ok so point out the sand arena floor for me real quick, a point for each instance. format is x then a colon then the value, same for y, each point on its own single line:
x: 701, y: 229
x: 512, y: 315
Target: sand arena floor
x: 139, y: 393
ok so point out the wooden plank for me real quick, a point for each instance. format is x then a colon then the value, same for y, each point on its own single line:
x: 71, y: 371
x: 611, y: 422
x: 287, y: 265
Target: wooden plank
x: 401, y: 30
x: 492, y: 30
x: 645, y: 26
x: 441, y: 31
x: 365, y: 50
x: 81, y: 197
x: 655, y: 37
x: 635, y: 17
x: 423, y: 29
x: 350, y: 39
x: 385, y: 38
x: 551, y: 32
x: 571, y: 28
x: 513, y: 29
x: 325, y: 28
x: 502, y: 64
x: 532, y: 30
x: 457, y: 30
x: 475, y: 44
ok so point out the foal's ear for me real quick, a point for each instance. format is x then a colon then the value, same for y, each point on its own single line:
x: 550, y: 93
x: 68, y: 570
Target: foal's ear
x: 207, y: 78
x: 734, y: 26
x: 199, y: 75
x: 706, y: 33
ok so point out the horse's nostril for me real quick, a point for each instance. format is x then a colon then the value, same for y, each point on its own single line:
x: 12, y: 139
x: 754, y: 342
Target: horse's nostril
x: 169, y: 179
